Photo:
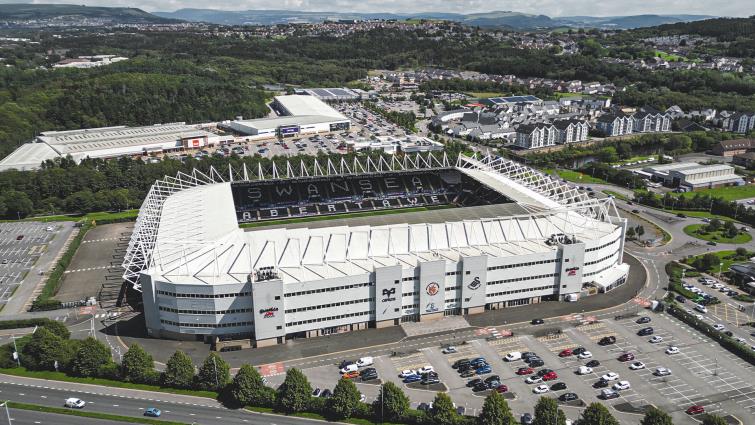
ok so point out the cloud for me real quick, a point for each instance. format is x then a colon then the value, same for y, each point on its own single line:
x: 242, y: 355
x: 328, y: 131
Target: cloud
x: 544, y: 7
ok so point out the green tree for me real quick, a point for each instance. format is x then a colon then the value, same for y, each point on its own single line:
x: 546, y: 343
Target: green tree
x: 43, y: 349
x: 179, y: 371
x: 630, y: 233
x: 495, y: 411
x: 548, y: 413
x: 293, y: 394
x: 345, y: 399
x: 640, y: 230
x: 137, y: 365
x: 714, y: 225
x: 656, y: 416
x: 596, y: 414
x: 17, y: 204
x: 391, y: 404
x: 248, y: 389
x: 90, y: 358
x: 214, y: 374
x: 443, y: 412
x: 711, y: 419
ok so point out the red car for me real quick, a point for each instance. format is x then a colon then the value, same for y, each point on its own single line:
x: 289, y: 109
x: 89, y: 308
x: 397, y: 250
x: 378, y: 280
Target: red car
x: 626, y: 357
x: 695, y: 410
x: 502, y: 389
x: 525, y: 371
x: 550, y: 376
x: 565, y: 353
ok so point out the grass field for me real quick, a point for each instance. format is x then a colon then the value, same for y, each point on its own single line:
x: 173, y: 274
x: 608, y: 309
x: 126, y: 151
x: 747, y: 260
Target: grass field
x: 729, y: 193
x: 669, y: 56
x: 718, y: 237
x: 726, y: 257
x: 576, y: 176
x: 485, y: 94
x: 337, y: 216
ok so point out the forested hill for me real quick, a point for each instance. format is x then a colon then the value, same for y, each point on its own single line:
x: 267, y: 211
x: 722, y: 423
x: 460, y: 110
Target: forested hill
x: 724, y: 29
x: 123, y: 15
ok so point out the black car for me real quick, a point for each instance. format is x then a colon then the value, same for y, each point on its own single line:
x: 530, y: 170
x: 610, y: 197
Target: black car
x: 558, y: 386
x: 326, y: 393
x: 607, y: 340
x: 367, y: 371
x: 527, y: 354
x: 643, y: 319
x: 474, y: 382
x: 728, y: 333
x: 592, y: 363
x: 645, y: 331
x: 579, y: 350
x: 461, y: 410
x: 369, y: 376
x: 530, y: 358
x: 493, y: 384
x: 468, y: 373
x: 492, y: 378
x: 635, y: 211
x: 458, y: 363
x: 424, y: 407
x: 538, y: 362
x: 537, y: 321
x: 732, y: 293
x: 601, y: 383
x: 568, y: 397
x: 526, y: 419
x: 680, y: 299
x: 543, y: 372
x: 429, y: 380
x: 316, y: 392
x: 480, y: 387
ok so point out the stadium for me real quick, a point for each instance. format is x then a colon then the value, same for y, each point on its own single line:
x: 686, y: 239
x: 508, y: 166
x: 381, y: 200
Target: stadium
x: 477, y: 234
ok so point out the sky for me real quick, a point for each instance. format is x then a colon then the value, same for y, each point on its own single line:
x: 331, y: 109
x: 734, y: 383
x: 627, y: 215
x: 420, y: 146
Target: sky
x: 546, y: 7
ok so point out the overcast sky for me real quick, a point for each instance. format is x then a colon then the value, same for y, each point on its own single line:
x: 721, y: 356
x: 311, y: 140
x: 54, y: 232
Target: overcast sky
x: 545, y: 7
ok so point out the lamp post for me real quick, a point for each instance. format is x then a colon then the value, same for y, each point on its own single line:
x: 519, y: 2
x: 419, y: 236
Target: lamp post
x: 720, y: 266
x: 7, y: 412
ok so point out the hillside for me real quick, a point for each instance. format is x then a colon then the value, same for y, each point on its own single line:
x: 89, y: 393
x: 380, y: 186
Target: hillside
x: 44, y: 12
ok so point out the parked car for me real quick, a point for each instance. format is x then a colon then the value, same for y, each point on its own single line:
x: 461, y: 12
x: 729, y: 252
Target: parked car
x: 480, y: 387
x: 350, y: 375
x: 459, y: 363
x: 467, y: 373
x: 643, y: 319
x: 473, y: 382
x: 672, y: 350
x: 524, y: 371
x: 637, y: 366
x: 429, y: 380
x: 492, y: 378
x: 536, y: 362
x: 501, y: 389
x: 662, y: 371
x: 483, y: 370
x: 526, y: 419
x: 512, y: 356
x: 369, y: 376
x: 608, y: 394
x: 565, y: 353
x: 540, y: 389
x: 365, y: 361
x: 534, y: 379
x: 544, y: 372
x: 610, y: 376
x: 607, y: 340
x: 412, y: 378
x: 316, y: 392
x: 568, y: 397
x: 592, y: 363
x: 449, y: 350
x: 680, y: 299
x: 626, y: 357
x: 701, y: 308
x: 719, y: 327
x: 584, y: 370
x: 645, y: 331
x: 695, y: 410
x: 550, y: 376
x: 600, y: 383
x: 153, y: 412
x: 584, y: 355
x: 558, y: 386
x: 578, y: 350
x: 655, y: 339
x: 407, y: 372
x: 425, y: 369
x: 537, y: 321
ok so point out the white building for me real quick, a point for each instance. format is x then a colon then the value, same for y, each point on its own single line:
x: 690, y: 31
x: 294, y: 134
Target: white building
x: 203, y: 277
x: 532, y: 136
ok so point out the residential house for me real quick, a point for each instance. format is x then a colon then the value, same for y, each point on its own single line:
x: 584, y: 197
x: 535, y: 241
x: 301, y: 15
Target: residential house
x: 618, y: 124
x: 531, y: 136
x: 650, y: 120
x: 570, y: 131
x: 733, y: 147
x: 740, y: 122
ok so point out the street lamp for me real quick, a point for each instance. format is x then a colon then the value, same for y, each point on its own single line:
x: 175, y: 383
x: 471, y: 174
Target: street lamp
x: 720, y: 266
x: 7, y: 412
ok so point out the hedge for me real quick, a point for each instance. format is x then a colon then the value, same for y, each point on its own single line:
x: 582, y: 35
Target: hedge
x: 45, y: 300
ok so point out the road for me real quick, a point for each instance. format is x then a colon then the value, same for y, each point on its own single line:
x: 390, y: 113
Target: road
x: 126, y: 402
x: 28, y: 417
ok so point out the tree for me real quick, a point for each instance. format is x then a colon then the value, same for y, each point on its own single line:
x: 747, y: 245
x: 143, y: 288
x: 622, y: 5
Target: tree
x: 495, y: 411
x: 714, y: 225
x: 548, y: 413
x: 597, y: 414
x: 293, y: 394
x: 214, y: 374
x: 179, y: 371
x: 248, y: 389
x: 656, y: 416
x: 44, y: 349
x: 640, y: 230
x: 741, y: 252
x: 137, y: 365
x: 710, y: 419
x: 17, y: 204
x: 391, y: 404
x: 630, y: 233
x: 90, y: 358
x: 345, y: 399
x: 443, y: 412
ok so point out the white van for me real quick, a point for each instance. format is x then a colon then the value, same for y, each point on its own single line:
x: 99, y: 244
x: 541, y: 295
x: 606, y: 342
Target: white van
x: 365, y: 361
x: 514, y: 355
x: 350, y: 368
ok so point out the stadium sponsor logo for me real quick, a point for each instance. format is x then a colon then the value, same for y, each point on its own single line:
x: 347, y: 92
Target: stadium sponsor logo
x: 431, y: 308
x: 388, y: 295
x: 475, y: 283
x: 432, y: 288
x: 572, y: 271
x: 268, y: 312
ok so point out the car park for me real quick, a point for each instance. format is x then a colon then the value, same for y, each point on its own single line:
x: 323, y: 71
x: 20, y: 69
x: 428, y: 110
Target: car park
x: 524, y: 371
x: 584, y: 355
x: 610, y: 376
x: 534, y: 379
x: 662, y: 371
x: 568, y: 397
x: 655, y: 339
x: 74, y: 403
x: 540, y: 389
x: 153, y: 412
x: 645, y: 331
x: 592, y: 363
x: 672, y: 350
x: 584, y: 370
x: 637, y: 366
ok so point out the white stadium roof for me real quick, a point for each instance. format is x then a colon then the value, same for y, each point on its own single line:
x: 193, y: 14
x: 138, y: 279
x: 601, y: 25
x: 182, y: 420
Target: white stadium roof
x: 187, y: 230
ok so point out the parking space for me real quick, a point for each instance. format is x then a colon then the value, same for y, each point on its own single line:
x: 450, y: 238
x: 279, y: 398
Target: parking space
x: 507, y: 345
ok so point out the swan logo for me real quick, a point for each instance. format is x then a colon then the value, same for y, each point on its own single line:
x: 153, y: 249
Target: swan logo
x: 475, y: 283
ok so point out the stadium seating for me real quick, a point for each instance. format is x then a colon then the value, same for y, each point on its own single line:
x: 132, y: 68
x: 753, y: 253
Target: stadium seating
x: 299, y: 197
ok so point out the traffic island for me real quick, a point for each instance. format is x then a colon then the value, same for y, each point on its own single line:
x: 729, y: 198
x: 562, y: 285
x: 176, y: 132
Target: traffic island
x: 631, y: 408
x: 572, y: 403
x: 439, y: 387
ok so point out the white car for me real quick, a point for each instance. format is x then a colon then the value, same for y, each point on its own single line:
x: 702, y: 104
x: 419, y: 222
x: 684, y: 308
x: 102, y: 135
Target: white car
x: 672, y: 350
x: 662, y: 371
x: 449, y: 350
x: 740, y: 340
x: 723, y: 289
x: 407, y: 372
x: 584, y: 355
x: 699, y: 316
x: 362, y: 397
x: 49, y: 228
x: 701, y: 308
x: 610, y: 376
x: 540, y: 389
x: 365, y: 361
x: 622, y: 385
x: 533, y: 379
x: 656, y: 339
x: 584, y: 370
x: 719, y: 327
x: 425, y: 369
x: 637, y: 366
x: 75, y: 403
x: 717, y: 286
x: 514, y: 355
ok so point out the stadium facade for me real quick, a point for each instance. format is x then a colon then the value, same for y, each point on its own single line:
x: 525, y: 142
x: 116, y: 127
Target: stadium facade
x: 204, y: 277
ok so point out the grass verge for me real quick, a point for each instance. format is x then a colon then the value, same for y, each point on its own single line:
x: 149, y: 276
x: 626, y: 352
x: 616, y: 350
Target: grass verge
x: 337, y: 216
x: 89, y: 414
x: 718, y: 236
x: 97, y: 216
x: 576, y: 176
x: 728, y: 193
x: 60, y: 376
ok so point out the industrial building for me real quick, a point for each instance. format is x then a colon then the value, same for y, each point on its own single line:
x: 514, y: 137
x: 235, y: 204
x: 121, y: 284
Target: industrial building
x: 109, y: 142
x: 342, y: 94
x: 299, y: 115
x: 691, y: 176
x: 392, y: 145
x: 202, y: 277
x: 511, y: 100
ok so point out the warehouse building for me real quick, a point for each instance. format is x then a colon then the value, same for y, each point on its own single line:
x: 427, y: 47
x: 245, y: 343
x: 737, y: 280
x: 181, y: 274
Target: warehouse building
x: 109, y: 142
x: 210, y: 279
x: 342, y: 94
x: 690, y: 176
x: 299, y: 115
